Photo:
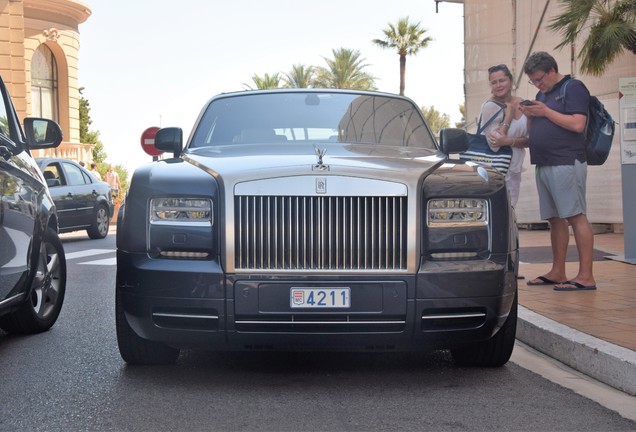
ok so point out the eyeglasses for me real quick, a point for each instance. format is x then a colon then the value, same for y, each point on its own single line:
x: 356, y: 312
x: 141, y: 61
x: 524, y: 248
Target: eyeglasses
x: 499, y: 67
x: 537, y: 81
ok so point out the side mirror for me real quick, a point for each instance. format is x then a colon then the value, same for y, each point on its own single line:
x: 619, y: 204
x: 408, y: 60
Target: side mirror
x: 453, y: 140
x: 169, y: 139
x: 42, y: 133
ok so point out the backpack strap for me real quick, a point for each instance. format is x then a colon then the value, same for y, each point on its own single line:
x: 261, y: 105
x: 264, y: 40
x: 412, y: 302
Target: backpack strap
x: 561, y: 97
x: 564, y: 86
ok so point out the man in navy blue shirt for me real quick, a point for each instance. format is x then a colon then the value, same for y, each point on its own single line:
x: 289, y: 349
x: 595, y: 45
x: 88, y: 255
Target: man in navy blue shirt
x: 557, y: 148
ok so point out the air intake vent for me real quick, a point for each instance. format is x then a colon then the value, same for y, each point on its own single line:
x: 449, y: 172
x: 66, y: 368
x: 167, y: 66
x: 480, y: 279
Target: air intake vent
x: 323, y: 323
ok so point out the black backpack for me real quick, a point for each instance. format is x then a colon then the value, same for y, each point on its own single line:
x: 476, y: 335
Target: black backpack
x: 599, y: 130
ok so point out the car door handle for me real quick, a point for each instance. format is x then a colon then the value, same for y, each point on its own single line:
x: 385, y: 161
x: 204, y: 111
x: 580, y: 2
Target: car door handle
x: 69, y: 196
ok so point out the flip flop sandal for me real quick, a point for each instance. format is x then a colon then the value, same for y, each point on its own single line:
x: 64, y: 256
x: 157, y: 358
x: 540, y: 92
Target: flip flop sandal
x: 544, y: 281
x: 574, y: 286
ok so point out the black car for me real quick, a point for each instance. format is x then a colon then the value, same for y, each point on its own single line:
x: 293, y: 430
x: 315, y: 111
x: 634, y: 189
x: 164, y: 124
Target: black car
x: 82, y: 201
x: 32, y: 261
x: 316, y: 220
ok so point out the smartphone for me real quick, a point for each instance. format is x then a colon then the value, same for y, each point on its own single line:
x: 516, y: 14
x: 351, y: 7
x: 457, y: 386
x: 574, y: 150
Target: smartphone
x: 527, y: 102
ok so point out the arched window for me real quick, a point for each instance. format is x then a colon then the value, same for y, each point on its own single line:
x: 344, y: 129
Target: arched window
x: 44, y: 99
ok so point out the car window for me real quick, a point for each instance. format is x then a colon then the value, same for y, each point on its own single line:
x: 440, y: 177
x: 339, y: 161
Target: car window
x: 312, y: 116
x: 53, y: 175
x: 4, y: 120
x: 88, y: 179
x: 74, y: 175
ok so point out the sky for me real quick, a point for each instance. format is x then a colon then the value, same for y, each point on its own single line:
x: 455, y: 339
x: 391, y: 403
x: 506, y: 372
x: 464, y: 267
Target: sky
x: 146, y: 63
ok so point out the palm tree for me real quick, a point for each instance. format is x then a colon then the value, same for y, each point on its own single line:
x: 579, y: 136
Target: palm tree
x: 344, y: 71
x: 611, y: 25
x: 407, y: 38
x: 435, y: 119
x: 300, y: 76
x: 265, y: 82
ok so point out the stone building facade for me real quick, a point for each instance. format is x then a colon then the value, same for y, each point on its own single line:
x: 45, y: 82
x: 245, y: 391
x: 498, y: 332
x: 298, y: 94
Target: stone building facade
x: 39, y: 44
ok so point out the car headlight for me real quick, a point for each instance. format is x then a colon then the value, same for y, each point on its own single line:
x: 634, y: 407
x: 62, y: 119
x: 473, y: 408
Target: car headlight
x: 448, y: 212
x: 192, y: 211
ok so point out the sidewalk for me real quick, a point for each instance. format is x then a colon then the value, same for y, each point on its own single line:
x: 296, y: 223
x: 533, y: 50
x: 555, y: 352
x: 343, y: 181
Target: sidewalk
x: 593, y: 332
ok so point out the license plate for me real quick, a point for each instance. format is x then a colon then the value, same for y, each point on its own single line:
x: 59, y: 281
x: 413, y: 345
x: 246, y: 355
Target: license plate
x: 320, y: 297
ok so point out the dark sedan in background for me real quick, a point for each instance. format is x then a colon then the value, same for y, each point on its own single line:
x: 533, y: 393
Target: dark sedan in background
x: 82, y: 201
x: 316, y: 220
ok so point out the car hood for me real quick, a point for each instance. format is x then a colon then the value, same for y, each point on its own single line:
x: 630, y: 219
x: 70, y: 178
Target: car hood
x: 247, y: 161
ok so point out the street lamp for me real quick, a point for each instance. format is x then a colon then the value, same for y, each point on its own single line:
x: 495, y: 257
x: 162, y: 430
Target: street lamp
x: 437, y: 2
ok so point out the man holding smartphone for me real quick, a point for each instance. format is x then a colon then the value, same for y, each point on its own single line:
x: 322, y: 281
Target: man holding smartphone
x: 557, y: 148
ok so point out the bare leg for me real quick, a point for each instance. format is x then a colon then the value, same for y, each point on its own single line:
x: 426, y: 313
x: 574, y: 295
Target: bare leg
x: 559, y: 239
x: 584, y: 238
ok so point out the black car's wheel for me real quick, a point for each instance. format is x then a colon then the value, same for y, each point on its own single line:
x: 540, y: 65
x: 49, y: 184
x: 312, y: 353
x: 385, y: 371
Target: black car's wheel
x: 494, y: 352
x: 137, y: 350
x: 100, y: 224
x: 44, y: 302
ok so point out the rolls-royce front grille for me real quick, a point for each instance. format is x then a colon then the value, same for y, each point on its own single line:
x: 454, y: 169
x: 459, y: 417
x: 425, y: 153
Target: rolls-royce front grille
x: 320, y: 233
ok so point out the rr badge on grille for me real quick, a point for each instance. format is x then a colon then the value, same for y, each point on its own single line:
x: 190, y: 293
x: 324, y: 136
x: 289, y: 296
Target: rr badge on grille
x: 321, y: 185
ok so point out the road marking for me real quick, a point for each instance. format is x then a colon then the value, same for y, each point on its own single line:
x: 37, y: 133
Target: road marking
x: 106, y: 261
x: 87, y: 253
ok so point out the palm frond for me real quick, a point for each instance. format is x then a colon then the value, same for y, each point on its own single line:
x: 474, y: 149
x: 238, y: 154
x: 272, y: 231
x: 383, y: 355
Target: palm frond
x: 300, y: 76
x: 606, y: 41
x: 572, y: 21
x: 405, y: 36
x: 609, y: 25
x: 345, y: 70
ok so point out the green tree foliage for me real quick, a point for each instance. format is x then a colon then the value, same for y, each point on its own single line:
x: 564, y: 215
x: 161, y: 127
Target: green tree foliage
x: 86, y: 135
x: 610, y: 26
x: 462, y: 123
x: 407, y: 39
x: 435, y: 119
x: 344, y: 71
x: 300, y: 76
x: 84, y: 116
x: 98, y: 151
x: 267, y: 81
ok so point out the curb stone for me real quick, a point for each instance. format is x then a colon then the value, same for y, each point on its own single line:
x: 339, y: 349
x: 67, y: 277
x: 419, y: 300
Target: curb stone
x: 601, y: 360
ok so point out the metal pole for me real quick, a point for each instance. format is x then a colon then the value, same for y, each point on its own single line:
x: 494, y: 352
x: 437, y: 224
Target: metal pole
x: 534, y: 38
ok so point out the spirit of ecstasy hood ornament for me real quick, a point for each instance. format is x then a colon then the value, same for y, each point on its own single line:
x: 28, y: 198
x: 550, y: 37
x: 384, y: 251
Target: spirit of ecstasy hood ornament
x: 320, y: 152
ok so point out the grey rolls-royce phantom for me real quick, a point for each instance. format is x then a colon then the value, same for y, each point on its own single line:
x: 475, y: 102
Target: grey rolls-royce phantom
x: 313, y: 219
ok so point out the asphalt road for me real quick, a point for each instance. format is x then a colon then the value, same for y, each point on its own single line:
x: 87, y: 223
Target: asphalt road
x: 73, y: 379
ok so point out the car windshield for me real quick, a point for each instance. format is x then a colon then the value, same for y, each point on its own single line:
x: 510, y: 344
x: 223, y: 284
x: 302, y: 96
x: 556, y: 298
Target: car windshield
x: 312, y: 116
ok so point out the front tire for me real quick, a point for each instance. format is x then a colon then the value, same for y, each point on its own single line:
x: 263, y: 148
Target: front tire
x: 99, y: 226
x: 46, y: 296
x: 494, y: 352
x: 136, y: 350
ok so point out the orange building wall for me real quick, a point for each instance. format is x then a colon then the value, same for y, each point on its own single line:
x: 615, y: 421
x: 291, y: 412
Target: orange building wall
x: 24, y: 26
